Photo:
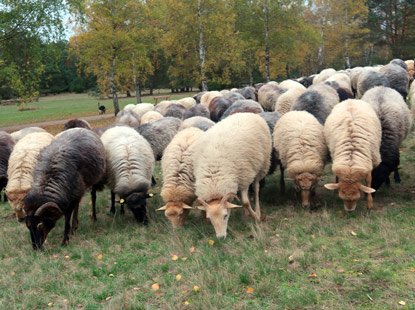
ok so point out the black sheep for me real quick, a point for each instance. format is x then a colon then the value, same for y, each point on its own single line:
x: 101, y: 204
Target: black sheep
x: 6, y: 147
x: 73, y: 162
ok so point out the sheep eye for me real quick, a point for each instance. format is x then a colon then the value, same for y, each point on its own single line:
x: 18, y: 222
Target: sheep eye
x: 225, y: 216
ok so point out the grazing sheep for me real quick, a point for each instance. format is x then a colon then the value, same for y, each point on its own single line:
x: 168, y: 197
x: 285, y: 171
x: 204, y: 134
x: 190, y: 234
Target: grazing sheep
x: 162, y: 106
x: 178, y: 191
x: 287, y: 99
x: 142, y: 108
x: 198, y: 96
x: 353, y: 134
x: 197, y: 110
x: 159, y: 133
x: 149, y: 117
x: 411, y: 69
x: 130, y: 164
x: 65, y: 169
x: 187, y: 102
x: 228, y: 158
x: 248, y: 93
x: 400, y: 63
x: 207, y: 97
x: 234, y: 96
x: 22, y: 163
x: 76, y: 123
x: 289, y: 84
x: 268, y: 95
x: 243, y: 106
x: 129, y: 107
x: 217, y: 107
x: 127, y: 118
x: 6, y: 147
x: 17, y: 135
x: 175, y: 110
x: 369, y: 79
x: 306, y: 81
x: 342, y: 80
x: 318, y: 100
x: 200, y: 122
x: 323, y: 75
x: 398, y: 78
x: 395, y: 119
x: 300, y: 145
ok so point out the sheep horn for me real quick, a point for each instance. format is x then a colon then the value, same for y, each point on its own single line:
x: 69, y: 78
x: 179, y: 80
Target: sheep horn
x: 45, y: 206
x: 162, y: 208
x: 228, y: 196
x: 202, y: 202
x: 185, y: 206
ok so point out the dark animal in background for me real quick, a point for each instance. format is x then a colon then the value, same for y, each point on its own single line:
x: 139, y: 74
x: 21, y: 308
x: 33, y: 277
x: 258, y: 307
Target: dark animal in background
x: 243, y: 106
x: 72, y: 163
x: 6, y: 147
x: 76, y: 123
x: 101, y: 109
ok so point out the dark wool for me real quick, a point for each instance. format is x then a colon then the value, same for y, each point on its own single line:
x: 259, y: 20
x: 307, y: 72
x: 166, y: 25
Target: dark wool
x: 243, y: 106
x: 76, y: 123
x: 197, y: 110
x: 312, y: 102
x: 218, y: 106
x: 175, y: 110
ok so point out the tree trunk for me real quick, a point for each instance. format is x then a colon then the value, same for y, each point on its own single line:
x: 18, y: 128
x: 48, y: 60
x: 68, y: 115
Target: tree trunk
x: 251, y: 78
x: 266, y: 20
x: 320, y: 49
x: 287, y: 71
x: 136, y: 84
x: 151, y: 84
x: 202, y: 51
x: 346, y: 42
x: 112, y: 86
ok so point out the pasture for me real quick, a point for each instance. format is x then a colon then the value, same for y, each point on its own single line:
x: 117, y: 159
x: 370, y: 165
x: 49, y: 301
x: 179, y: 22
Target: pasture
x: 293, y: 259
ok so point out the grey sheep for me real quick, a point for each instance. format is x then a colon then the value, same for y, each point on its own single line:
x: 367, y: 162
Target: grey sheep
x: 369, y: 79
x: 127, y: 118
x: 268, y: 95
x: 200, y: 122
x: 398, y: 78
x: 175, y: 110
x: 197, y: 110
x: 243, y: 106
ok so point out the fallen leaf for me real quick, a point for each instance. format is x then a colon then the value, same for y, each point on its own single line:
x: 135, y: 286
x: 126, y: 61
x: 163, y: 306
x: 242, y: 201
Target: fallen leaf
x: 412, y: 269
x: 313, y: 275
x: 159, y: 293
x: 402, y: 303
x: 186, y: 303
x: 136, y: 289
x: 174, y: 257
x: 111, y: 275
x: 178, y: 277
x: 360, y: 274
x: 184, y: 259
x: 108, y: 298
x: 250, y: 290
x: 265, y: 251
x: 341, y: 271
x: 20, y: 284
x: 90, y: 203
x: 155, y: 287
x: 196, y: 288
x: 66, y: 256
x: 313, y: 236
x: 115, y: 263
x: 392, y: 204
x: 277, y: 235
x: 353, y: 233
x: 192, y: 249
x: 285, y: 219
x: 12, y: 273
x: 50, y: 304
x: 211, y: 242
x: 263, y: 218
x: 184, y: 292
x: 340, y: 212
x: 99, y: 256
x: 121, y: 200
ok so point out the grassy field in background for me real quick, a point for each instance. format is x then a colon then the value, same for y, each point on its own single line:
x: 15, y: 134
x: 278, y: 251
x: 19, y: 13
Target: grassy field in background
x: 66, y: 106
x: 294, y: 259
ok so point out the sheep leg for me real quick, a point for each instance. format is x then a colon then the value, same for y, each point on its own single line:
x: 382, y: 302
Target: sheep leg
x: 75, y: 219
x: 204, y: 218
x: 93, y: 199
x: 112, y: 209
x: 396, y: 176
x: 122, y: 209
x: 282, y: 181
x: 369, y: 196
x: 247, y: 205
x: 67, y: 229
x: 257, y: 207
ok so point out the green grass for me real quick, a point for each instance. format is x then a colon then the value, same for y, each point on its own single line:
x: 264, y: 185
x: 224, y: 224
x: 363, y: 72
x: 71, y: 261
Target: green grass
x: 65, y: 106
x: 371, y: 270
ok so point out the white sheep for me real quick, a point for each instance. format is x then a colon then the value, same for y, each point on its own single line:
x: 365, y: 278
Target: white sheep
x: 207, y: 97
x: 17, y: 135
x: 353, y: 134
x: 300, y: 145
x: 130, y: 164
x: 129, y: 107
x: 268, y: 95
x: 127, y: 118
x: 178, y: 191
x: 149, y: 117
x: 287, y: 99
x: 323, y: 75
x: 342, y: 80
x: 143, y: 108
x: 22, y: 163
x: 187, y: 102
x: 289, y: 84
x: 228, y: 158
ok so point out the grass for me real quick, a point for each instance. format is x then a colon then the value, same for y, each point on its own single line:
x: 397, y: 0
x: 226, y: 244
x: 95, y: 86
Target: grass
x: 277, y: 258
x: 65, y: 106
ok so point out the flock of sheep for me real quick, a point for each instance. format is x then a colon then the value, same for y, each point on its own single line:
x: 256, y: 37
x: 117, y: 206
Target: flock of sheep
x: 215, y: 145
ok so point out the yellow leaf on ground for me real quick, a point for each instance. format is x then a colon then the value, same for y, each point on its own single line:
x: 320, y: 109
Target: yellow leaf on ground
x: 402, y: 303
x: 155, y: 279
x: 136, y: 289
x: 313, y: 275
x: 353, y: 233
x: 90, y: 203
x: 108, y: 298
x: 12, y: 273
x: 99, y: 256
x: 50, y: 304
x: 174, y: 257
x: 211, y: 242
x: 155, y: 287
x: 178, y: 277
x: 313, y: 236
x: 250, y: 290
x: 196, y: 288
x: 192, y: 249
x: 186, y: 303
x: 66, y: 256
x: 412, y: 269
x: 184, y: 259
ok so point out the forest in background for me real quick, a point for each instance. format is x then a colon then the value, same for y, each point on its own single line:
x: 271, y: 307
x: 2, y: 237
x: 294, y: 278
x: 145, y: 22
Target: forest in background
x: 124, y: 45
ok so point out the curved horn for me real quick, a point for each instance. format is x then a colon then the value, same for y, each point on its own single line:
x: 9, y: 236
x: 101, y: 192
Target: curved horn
x: 187, y: 207
x: 162, y: 208
x: 202, y: 202
x: 47, y: 205
x: 228, y: 196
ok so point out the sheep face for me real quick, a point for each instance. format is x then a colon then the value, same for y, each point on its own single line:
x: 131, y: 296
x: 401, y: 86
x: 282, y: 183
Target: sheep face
x: 305, y: 184
x: 42, y: 222
x: 218, y: 212
x: 136, y: 202
x: 350, y: 193
x: 380, y: 175
x: 16, y: 201
x: 176, y: 212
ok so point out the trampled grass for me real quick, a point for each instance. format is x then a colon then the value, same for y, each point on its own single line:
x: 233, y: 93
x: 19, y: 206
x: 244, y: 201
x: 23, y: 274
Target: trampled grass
x: 294, y: 259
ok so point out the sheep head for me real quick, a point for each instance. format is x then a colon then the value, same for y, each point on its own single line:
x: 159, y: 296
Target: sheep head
x: 176, y: 212
x: 136, y: 202
x: 16, y: 201
x: 42, y: 222
x: 349, y: 192
x: 305, y: 183
x: 218, y: 212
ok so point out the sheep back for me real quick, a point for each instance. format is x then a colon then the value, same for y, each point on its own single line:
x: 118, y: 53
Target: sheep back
x: 268, y: 95
x: 127, y: 118
x: 200, y: 122
x: 398, y: 78
x: 243, y: 106
x: 369, y: 79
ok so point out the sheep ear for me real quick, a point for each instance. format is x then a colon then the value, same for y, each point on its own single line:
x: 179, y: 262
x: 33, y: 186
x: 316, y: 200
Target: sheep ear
x: 185, y: 206
x: 332, y: 186
x: 162, y: 208
x: 202, y: 208
x: 367, y: 190
x: 231, y: 205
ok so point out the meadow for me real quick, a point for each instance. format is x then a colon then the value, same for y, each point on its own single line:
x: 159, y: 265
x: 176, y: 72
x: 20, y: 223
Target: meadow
x: 294, y: 259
